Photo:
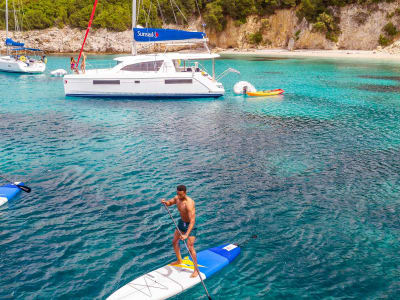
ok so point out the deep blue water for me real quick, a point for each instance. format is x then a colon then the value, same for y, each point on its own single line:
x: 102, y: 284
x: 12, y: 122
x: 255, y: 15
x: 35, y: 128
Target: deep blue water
x: 314, y: 173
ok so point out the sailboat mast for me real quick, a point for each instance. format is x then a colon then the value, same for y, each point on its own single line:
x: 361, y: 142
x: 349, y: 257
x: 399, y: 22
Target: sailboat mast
x: 134, y: 52
x: 6, y: 19
x: 8, y: 51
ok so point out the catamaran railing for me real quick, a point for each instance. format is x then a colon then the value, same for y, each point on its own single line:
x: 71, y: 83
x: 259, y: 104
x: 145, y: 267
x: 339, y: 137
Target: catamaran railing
x: 226, y: 72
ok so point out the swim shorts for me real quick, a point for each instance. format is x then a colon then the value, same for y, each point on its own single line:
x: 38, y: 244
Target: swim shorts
x: 183, y: 227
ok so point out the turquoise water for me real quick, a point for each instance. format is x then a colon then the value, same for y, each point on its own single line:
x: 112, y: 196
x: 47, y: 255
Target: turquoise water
x: 314, y: 173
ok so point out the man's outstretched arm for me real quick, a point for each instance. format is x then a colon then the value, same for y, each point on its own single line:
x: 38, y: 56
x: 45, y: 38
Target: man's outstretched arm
x: 169, y: 202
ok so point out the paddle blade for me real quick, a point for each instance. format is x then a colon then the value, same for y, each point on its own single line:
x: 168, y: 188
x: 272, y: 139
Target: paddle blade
x: 24, y: 188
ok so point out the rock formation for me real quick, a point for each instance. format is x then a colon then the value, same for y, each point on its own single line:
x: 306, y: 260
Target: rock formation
x: 360, y: 27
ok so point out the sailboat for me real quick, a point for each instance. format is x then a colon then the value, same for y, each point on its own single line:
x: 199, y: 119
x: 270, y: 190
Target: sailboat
x: 18, y: 58
x: 158, y: 75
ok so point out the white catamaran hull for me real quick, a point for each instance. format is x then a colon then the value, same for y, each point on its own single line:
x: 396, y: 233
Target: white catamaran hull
x: 9, y: 64
x: 185, y: 85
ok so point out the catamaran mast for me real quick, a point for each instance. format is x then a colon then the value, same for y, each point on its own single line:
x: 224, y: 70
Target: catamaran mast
x: 134, y: 52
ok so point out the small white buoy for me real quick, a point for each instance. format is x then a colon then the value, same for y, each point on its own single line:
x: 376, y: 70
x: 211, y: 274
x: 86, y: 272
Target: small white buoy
x: 58, y: 72
x: 242, y: 87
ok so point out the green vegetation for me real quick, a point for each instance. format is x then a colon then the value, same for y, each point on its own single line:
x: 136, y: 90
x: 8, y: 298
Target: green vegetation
x: 111, y: 14
x: 390, y: 29
x: 361, y: 17
x: 297, y: 35
x: 389, y: 32
x: 255, y: 38
x: 390, y: 15
x: 384, y: 41
x: 116, y: 14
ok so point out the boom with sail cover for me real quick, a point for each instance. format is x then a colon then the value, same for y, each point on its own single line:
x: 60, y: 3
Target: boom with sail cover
x: 163, y: 35
x: 11, y: 42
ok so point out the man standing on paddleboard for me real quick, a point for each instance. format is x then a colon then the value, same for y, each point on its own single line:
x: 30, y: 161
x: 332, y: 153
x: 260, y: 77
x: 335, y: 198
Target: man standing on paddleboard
x: 186, y: 224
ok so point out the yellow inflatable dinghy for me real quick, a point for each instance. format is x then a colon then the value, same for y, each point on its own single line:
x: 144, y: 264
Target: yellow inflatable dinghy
x: 266, y: 93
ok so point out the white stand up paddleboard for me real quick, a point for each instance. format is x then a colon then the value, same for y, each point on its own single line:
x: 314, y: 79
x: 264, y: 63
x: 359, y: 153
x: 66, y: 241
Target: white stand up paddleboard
x: 171, y: 280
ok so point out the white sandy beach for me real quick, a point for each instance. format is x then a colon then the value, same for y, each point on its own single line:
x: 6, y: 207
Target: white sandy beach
x: 353, y: 54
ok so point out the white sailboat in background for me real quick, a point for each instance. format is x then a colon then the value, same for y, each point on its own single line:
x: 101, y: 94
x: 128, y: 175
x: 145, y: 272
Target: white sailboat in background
x: 17, y: 60
x: 164, y: 75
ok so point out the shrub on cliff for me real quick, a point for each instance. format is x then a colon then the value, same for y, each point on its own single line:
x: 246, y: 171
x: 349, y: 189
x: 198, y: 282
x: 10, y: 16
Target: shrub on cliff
x: 390, y: 29
x: 214, y: 16
x: 267, y: 7
x: 255, y: 38
x: 320, y: 27
x: 327, y: 24
x: 238, y: 9
x: 361, y: 17
x: 384, y: 41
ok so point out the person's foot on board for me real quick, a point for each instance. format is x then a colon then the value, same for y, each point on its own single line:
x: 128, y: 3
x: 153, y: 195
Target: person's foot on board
x: 176, y: 263
x: 194, y: 274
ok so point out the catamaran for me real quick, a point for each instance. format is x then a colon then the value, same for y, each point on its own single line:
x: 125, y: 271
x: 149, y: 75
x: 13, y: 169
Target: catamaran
x: 158, y: 75
x: 18, y: 58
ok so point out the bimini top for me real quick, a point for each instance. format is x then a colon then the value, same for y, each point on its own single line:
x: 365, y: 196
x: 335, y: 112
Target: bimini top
x: 172, y: 56
x: 10, y: 42
x: 156, y: 35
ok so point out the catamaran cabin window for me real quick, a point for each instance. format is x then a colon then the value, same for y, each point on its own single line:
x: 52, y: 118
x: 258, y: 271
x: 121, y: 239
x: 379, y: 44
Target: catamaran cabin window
x: 106, y: 82
x: 178, y: 81
x: 144, y: 66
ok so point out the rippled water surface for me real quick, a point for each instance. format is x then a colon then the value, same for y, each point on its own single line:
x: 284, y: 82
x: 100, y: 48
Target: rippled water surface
x: 314, y: 173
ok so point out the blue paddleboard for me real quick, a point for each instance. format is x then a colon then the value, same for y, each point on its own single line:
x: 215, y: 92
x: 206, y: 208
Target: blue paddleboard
x: 9, y: 192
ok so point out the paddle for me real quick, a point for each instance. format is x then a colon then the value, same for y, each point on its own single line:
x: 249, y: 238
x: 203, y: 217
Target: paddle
x: 195, y: 265
x: 22, y: 187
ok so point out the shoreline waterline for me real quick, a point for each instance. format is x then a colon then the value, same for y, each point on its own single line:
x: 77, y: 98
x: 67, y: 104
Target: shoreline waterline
x: 284, y: 53
x: 317, y: 53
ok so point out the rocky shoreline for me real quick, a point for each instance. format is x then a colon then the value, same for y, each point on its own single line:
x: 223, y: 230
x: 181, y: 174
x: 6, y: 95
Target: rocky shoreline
x: 69, y: 40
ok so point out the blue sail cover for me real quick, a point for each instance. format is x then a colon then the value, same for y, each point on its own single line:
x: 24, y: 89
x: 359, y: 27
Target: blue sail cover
x: 10, y: 42
x: 160, y: 35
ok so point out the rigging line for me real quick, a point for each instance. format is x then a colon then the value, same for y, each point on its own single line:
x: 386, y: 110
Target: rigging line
x: 180, y: 11
x: 162, y: 16
x: 138, y: 11
x: 87, y: 30
x: 16, y: 24
x: 148, y: 15
x: 23, y: 14
x: 198, y: 9
x: 173, y: 11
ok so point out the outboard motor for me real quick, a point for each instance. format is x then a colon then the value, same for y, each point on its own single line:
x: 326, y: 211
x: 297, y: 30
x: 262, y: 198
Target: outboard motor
x: 242, y: 87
